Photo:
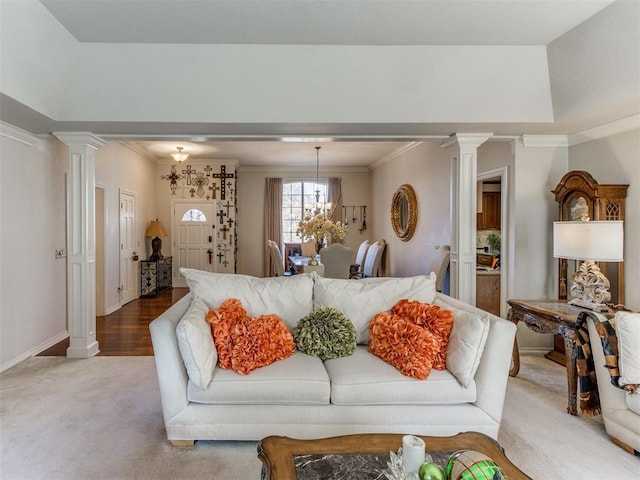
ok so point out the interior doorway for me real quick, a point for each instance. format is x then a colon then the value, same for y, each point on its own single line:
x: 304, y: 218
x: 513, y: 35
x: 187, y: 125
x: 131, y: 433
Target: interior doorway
x: 128, y: 263
x: 499, y: 177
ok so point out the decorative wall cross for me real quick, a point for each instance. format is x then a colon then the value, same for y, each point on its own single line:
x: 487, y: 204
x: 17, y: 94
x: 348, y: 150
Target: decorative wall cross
x: 220, y: 256
x: 221, y: 214
x: 173, y: 178
x: 208, y: 170
x: 224, y: 231
x: 188, y: 173
x: 227, y: 206
x: 223, y: 175
x: 213, y: 189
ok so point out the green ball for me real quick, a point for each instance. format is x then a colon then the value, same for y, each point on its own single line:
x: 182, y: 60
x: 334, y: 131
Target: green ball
x: 472, y: 465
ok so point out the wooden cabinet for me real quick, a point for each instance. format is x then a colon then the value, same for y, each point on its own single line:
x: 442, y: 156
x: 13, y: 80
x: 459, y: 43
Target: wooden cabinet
x: 155, y: 276
x: 488, y: 292
x: 489, y: 218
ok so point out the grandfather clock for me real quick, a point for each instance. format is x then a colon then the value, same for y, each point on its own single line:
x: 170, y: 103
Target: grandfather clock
x: 581, y: 197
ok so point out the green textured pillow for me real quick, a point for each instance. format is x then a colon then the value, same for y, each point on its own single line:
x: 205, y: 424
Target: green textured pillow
x: 325, y: 333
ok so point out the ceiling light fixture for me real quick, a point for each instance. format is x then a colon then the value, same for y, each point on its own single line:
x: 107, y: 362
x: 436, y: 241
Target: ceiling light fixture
x: 179, y: 156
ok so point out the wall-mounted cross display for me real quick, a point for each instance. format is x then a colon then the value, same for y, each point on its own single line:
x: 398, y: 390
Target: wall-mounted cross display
x: 227, y: 206
x: 221, y: 214
x: 223, y: 175
x: 224, y: 231
x: 188, y: 173
x: 220, y: 256
x: 208, y: 170
x: 173, y: 178
x: 214, y: 187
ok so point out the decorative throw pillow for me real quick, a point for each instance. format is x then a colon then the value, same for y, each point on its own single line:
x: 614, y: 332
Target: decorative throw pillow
x: 195, y: 343
x: 435, y: 319
x: 408, y: 347
x: 628, y: 333
x: 325, y: 333
x: 222, y: 320
x: 258, y: 342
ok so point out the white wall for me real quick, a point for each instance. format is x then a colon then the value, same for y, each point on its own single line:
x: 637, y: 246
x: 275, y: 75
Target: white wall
x: 356, y: 190
x: 426, y: 168
x: 32, y: 226
x: 614, y: 160
x: 119, y: 168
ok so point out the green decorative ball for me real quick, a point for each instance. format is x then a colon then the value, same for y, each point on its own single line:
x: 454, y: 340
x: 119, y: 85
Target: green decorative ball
x: 472, y: 465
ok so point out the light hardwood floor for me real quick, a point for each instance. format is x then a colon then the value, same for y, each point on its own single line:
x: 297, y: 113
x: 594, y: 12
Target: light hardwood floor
x: 126, y: 331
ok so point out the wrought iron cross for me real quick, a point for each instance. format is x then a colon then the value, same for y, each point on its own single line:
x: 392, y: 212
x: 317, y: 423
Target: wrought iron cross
x: 223, y: 175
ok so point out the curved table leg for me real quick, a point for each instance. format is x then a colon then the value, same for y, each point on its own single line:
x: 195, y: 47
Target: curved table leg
x: 515, y: 355
x: 571, y: 356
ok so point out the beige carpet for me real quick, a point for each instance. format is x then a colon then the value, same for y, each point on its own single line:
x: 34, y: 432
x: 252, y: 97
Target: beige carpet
x: 101, y: 418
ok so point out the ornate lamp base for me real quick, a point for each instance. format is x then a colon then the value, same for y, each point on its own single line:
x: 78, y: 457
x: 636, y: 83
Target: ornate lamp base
x: 590, y: 288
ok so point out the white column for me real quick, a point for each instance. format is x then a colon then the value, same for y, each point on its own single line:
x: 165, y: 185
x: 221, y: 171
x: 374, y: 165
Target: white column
x: 81, y: 243
x: 464, y: 173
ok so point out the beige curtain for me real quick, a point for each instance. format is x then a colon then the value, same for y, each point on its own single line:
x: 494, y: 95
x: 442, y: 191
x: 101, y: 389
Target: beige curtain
x: 272, y: 219
x: 335, y: 197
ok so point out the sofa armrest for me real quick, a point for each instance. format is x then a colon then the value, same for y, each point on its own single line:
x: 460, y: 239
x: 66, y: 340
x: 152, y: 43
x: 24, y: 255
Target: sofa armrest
x: 172, y: 373
x: 493, y: 371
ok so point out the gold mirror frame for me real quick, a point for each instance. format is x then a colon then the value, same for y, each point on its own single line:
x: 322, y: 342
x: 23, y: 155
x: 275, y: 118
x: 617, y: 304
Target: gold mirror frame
x: 404, y: 212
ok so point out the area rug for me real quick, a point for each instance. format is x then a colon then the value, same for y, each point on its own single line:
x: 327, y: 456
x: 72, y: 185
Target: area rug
x: 101, y: 418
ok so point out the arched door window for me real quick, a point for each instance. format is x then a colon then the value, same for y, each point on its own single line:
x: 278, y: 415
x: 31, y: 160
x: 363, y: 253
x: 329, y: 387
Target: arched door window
x: 194, y: 215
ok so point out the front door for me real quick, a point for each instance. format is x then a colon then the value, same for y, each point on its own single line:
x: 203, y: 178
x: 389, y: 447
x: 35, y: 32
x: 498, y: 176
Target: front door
x: 193, y: 238
x: 128, y: 266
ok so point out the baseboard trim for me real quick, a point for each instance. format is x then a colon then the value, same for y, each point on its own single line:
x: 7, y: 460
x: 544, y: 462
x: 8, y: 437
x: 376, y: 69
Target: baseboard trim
x: 112, y: 308
x: 534, y: 350
x: 34, y: 351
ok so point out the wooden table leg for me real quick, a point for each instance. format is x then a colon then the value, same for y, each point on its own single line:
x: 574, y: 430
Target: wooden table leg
x: 572, y: 371
x: 515, y: 355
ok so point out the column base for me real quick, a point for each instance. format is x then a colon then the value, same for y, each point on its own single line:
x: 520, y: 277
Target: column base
x: 82, y: 351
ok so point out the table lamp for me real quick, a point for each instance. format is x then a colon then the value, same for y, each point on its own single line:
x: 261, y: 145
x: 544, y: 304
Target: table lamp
x: 156, y: 230
x: 591, y: 241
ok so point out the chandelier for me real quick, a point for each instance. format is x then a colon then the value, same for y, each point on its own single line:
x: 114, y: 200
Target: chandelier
x: 179, y: 156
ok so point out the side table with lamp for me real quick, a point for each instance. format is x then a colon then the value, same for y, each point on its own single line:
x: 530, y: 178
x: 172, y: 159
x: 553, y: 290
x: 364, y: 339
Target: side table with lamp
x: 581, y: 240
x: 156, y: 273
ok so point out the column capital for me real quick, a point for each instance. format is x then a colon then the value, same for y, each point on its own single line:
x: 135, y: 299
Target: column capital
x: 80, y: 138
x: 458, y: 140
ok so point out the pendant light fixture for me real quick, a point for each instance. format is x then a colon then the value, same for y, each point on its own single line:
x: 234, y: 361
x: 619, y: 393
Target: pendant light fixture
x: 179, y: 156
x: 317, y: 210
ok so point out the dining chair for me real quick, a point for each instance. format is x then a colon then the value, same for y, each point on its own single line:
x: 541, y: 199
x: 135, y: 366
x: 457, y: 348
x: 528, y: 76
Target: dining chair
x: 336, y: 259
x: 276, y: 260
x: 373, y: 260
x: 356, y: 269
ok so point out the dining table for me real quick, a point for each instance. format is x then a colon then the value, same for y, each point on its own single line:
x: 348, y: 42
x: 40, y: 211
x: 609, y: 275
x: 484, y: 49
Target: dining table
x: 300, y: 264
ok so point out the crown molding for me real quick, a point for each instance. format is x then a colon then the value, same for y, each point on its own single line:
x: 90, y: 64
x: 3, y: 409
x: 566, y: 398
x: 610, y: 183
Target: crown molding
x: 19, y: 135
x: 80, y: 138
x: 395, y: 154
x: 199, y: 161
x: 544, y: 140
x: 140, y: 150
x: 608, y: 129
x: 302, y: 171
x: 458, y: 140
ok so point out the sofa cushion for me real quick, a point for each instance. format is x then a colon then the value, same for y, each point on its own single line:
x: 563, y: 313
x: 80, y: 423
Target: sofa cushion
x: 291, y: 298
x: 361, y: 300
x: 222, y: 320
x: 195, y: 342
x: 364, y: 379
x: 466, y: 342
x: 325, y: 333
x: 628, y: 333
x: 298, y: 380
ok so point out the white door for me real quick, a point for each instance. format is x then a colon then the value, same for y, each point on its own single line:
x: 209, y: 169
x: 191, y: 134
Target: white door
x: 128, y: 266
x: 193, y: 237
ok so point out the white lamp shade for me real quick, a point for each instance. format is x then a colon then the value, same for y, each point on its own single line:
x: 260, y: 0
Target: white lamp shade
x: 599, y: 241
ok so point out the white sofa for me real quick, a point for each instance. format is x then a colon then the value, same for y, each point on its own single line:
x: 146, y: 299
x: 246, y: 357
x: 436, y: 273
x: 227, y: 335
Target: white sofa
x: 302, y: 396
x: 620, y: 409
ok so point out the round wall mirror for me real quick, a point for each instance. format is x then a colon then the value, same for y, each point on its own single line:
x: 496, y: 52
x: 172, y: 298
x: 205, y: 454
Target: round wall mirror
x: 404, y: 212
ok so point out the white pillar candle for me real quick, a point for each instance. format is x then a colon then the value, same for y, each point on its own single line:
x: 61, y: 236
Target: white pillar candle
x: 412, y: 453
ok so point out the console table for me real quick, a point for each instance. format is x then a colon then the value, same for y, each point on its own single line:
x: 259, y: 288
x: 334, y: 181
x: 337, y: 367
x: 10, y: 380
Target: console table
x: 155, y: 276
x: 549, y: 316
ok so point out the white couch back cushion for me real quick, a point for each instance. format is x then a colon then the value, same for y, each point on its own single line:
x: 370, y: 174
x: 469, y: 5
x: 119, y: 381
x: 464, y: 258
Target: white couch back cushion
x: 291, y: 298
x: 361, y: 299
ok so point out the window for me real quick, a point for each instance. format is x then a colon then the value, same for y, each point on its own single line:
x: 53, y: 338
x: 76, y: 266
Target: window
x: 296, y: 198
x: 194, y: 215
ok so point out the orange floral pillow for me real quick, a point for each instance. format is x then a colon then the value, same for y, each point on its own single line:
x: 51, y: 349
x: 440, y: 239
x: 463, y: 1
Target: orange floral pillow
x: 243, y: 343
x: 258, y: 342
x: 222, y: 320
x: 410, y: 348
x: 438, y: 321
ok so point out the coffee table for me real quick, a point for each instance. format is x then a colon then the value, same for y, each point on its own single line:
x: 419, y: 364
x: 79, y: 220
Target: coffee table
x: 284, y: 458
